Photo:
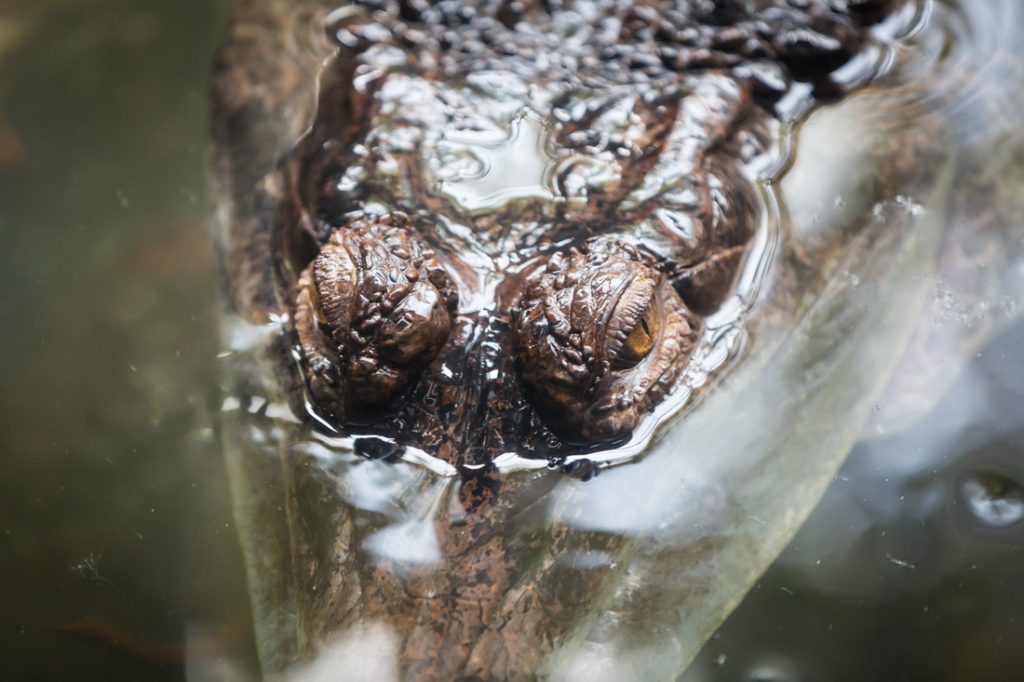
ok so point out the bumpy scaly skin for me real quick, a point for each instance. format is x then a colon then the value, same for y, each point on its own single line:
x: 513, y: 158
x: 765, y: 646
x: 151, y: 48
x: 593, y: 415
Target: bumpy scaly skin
x: 669, y: 100
x: 573, y: 334
x: 373, y: 309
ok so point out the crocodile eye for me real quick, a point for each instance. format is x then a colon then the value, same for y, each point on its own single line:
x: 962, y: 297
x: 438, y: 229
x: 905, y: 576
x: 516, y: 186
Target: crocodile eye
x: 601, y: 335
x: 372, y: 310
x: 641, y: 340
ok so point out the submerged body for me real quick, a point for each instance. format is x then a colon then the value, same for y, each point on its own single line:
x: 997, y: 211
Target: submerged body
x: 520, y: 229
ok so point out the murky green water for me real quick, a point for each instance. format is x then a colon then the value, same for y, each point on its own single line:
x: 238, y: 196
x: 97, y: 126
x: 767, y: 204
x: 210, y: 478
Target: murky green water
x: 113, y: 513
x: 117, y: 548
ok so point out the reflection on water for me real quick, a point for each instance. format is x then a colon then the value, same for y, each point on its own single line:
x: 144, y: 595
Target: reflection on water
x: 118, y: 547
x: 911, y: 566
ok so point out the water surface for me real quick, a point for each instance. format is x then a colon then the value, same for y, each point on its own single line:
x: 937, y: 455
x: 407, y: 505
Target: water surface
x: 117, y: 546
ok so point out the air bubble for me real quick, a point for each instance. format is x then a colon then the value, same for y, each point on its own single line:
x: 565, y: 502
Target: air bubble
x: 994, y: 499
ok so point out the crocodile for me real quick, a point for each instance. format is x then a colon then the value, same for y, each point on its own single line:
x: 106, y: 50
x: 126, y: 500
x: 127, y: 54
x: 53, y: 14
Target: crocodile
x: 485, y: 242
x: 507, y: 224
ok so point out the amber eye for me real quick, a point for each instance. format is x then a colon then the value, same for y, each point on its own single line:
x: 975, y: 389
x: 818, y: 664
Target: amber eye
x: 640, y: 341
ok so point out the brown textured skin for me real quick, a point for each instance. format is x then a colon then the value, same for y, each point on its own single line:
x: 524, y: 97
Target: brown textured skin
x: 376, y: 296
x: 260, y: 104
x: 697, y: 112
x: 573, y: 334
x: 538, y: 369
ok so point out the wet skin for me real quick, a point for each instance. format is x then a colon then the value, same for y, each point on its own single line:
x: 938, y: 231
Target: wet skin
x: 542, y: 308
x: 456, y: 289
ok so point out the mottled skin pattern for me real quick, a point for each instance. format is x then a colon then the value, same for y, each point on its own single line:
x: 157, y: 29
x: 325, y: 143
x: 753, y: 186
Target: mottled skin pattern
x: 373, y: 308
x: 548, y: 323
x: 538, y: 341
x: 601, y: 335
